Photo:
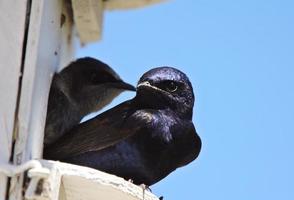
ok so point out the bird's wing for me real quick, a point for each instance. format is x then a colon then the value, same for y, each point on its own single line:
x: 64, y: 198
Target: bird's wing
x: 98, y: 133
x: 191, y: 146
x: 58, y: 108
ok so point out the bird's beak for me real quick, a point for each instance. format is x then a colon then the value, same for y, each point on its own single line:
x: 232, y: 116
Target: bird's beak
x: 124, y: 86
x: 146, y: 84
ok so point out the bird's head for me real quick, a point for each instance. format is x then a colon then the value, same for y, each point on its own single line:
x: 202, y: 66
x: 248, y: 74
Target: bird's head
x: 93, y: 82
x: 166, y: 87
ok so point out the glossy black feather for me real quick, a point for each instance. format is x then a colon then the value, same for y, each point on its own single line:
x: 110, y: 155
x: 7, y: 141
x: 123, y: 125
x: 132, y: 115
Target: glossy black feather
x: 143, y: 139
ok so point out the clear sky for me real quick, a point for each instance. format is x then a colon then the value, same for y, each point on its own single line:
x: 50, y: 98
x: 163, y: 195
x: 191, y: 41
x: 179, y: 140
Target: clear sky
x: 239, y: 56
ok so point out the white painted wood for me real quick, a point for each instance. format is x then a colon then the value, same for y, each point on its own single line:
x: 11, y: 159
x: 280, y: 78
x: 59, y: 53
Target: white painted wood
x: 49, y: 188
x: 49, y: 47
x: 83, y: 183
x: 47, y: 44
x: 48, y: 40
x: 127, y: 4
x: 12, y: 23
x: 88, y: 17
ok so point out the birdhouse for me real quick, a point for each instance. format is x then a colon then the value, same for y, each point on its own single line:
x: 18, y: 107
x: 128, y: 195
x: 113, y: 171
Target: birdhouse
x: 37, y: 37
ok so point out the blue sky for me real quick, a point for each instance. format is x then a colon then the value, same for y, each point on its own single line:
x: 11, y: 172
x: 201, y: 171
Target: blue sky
x: 239, y: 56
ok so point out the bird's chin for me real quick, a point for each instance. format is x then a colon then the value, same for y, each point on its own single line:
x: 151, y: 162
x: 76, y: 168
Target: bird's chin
x: 152, y: 96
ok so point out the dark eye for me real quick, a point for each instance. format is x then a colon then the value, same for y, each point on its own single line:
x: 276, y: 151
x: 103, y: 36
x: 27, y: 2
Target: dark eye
x: 97, y: 78
x: 170, y: 86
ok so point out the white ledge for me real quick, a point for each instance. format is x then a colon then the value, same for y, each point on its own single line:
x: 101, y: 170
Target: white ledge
x: 72, y: 182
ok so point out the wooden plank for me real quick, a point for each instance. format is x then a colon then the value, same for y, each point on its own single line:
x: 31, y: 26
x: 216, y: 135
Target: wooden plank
x: 48, y: 39
x: 128, y: 4
x: 43, y: 58
x: 12, y: 21
x: 83, y: 183
x: 88, y: 16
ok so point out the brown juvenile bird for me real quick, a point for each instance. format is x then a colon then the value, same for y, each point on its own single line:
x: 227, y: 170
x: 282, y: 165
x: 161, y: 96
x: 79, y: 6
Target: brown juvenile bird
x: 84, y: 86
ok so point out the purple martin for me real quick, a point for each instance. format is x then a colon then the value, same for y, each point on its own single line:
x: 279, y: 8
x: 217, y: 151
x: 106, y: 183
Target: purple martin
x: 84, y: 86
x: 143, y: 139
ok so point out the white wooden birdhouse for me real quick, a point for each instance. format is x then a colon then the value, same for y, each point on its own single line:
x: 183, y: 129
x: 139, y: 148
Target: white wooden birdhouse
x: 36, y: 38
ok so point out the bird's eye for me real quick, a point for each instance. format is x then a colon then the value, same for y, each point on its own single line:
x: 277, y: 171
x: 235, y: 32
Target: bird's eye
x: 171, y: 86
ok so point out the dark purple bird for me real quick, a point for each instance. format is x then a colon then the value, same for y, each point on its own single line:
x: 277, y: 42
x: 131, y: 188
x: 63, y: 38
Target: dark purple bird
x: 143, y: 139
